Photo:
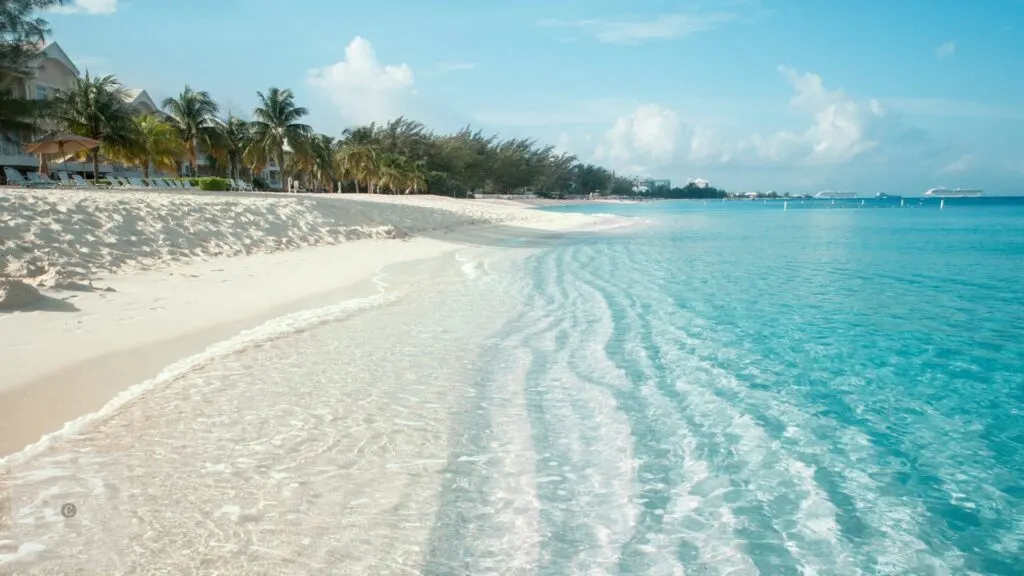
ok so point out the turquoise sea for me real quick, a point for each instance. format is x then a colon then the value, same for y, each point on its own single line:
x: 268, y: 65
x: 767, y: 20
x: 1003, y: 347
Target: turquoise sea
x: 742, y: 388
x: 732, y: 388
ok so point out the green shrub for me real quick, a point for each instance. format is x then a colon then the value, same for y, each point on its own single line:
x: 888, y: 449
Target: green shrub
x: 214, y: 184
x: 193, y: 181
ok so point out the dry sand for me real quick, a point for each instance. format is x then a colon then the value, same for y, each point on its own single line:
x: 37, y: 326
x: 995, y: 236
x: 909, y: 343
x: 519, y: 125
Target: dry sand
x: 129, y: 282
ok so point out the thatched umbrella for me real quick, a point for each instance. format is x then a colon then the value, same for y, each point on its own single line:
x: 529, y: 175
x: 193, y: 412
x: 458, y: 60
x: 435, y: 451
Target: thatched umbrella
x: 63, y: 144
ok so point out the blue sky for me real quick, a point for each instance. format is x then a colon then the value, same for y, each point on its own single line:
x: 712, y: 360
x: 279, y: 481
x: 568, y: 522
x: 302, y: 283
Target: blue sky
x: 798, y: 95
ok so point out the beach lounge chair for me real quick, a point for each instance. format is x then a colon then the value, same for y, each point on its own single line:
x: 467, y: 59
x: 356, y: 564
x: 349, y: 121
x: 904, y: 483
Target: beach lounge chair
x: 186, y: 185
x: 65, y: 182
x: 138, y: 183
x: 169, y: 183
x: 172, y: 183
x: 14, y: 178
x: 36, y: 179
x: 80, y: 182
x: 116, y: 183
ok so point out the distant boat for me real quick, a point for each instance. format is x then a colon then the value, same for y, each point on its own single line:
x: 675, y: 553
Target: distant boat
x: 953, y: 193
x: 835, y: 195
x: 884, y: 196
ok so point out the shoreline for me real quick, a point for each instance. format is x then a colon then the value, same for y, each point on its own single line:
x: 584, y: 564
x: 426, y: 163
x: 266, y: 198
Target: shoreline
x: 67, y: 369
x: 69, y: 359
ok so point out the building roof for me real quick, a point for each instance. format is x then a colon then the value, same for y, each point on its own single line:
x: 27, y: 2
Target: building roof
x: 138, y: 95
x: 55, y: 52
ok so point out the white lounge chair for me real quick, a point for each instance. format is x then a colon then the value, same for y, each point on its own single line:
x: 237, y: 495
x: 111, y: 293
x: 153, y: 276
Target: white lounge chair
x: 36, y: 179
x: 80, y: 182
x: 117, y: 183
x: 64, y: 180
x: 14, y: 178
x: 138, y: 183
x: 186, y: 185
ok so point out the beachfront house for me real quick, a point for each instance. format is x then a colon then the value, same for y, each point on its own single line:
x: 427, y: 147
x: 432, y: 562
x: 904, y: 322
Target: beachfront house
x: 50, y: 73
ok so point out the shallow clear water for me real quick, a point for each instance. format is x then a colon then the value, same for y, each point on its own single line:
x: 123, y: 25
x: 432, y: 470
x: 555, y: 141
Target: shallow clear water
x: 728, y: 389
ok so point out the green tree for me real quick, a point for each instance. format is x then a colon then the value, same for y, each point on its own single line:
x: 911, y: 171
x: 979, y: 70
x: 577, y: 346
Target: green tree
x: 153, y: 142
x: 236, y: 138
x: 22, y: 32
x: 356, y: 157
x: 95, y: 107
x: 194, y: 115
x: 276, y: 124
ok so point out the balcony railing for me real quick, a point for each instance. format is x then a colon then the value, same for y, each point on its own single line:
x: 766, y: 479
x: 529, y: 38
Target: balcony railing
x: 11, y: 149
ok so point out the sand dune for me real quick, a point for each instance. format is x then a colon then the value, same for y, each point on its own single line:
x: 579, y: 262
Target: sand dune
x: 63, y: 239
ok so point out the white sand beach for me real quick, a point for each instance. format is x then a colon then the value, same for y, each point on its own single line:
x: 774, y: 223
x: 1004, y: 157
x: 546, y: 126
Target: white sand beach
x: 143, y: 298
x: 129, y: 282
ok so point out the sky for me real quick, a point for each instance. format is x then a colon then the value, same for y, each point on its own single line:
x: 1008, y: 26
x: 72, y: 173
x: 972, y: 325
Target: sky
x: 788, y: 95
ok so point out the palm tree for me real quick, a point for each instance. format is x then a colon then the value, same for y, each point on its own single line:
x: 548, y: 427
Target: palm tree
x: 321, y: 152
x: 276, y: 123
x: 194, y: 115
x: 95, y: 107
x: 358, y: 162
x: 153, y: 143
x: 236, y: 136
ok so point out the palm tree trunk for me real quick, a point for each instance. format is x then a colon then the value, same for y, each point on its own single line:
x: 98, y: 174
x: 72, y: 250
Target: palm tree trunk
x: 280, y: 168
x: 95, y: 165
x: 357, y: 185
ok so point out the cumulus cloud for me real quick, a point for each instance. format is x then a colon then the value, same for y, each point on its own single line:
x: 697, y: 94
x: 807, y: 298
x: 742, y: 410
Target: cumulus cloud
x: 647, y: 137
x: 88, y: 7
x: 363, y: 89
x: 637, y: 31
x: 842, y: 128
x: 945, y: 50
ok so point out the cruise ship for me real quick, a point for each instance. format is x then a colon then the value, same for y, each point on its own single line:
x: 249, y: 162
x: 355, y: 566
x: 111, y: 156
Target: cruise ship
x: 952, y: 193
x: 831, y: 194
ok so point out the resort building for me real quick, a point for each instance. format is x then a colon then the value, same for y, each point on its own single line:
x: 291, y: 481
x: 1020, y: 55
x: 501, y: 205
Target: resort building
x: 52, y: 72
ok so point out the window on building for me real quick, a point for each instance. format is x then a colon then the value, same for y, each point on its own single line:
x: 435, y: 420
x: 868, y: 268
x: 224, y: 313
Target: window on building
x: 40, y: 92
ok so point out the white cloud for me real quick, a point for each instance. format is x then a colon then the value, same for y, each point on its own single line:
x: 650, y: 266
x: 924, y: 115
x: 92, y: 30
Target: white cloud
x: 363, y: 89
x: 707, y: 146
x: 945, y: 50
x: 637, y: 31
x: 643, y: 139
x: 842, y: 129
x: 88, y: 7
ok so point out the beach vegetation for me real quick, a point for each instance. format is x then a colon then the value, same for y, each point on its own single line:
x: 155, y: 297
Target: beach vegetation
x: 193, y: 114
x: 276, y: 127
x: 152, y: 142
x: 214, y: 184
x: 95, y: 107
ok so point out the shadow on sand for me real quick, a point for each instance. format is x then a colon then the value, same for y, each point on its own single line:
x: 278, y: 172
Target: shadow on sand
x: 44, y: 304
